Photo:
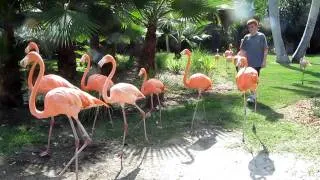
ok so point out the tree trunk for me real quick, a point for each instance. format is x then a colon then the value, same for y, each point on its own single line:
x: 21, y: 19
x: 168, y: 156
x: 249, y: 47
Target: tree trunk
x: 10, y: 76
x: 67, y: 62
x: 282, y: 56
x: 308, y: 31
x: 149, y: 49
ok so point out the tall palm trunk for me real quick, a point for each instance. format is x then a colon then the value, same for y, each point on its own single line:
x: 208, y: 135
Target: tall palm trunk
x: 149, y: 48
x: 67, y: 62
x: 10, y: 76
x: 308, y: 31
x: 282, y: 56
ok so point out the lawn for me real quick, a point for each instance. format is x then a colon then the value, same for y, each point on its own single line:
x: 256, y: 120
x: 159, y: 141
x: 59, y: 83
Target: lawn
x: 279, y: 86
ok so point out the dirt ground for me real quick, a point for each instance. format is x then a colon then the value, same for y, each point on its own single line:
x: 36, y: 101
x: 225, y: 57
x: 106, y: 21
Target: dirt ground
x: 210, y: 153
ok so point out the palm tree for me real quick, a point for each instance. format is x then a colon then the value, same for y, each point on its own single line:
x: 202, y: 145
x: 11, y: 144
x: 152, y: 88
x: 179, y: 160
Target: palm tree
x: 282, y: 56
x: 10, y: 76
x: 148, y: 13
x: 59, y: 25
x: 308, y: 31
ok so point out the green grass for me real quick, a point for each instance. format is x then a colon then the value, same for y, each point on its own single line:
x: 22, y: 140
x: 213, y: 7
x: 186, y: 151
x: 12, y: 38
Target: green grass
x: 13, y: 138
x: 279, y: 86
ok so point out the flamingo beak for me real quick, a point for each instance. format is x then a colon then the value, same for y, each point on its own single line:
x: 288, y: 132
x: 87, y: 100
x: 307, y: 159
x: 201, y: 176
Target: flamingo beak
x: 140, y: 73
x: 101, y: 63
x: 183, y: 52
x: 27, y: 50
x: 24, y: 62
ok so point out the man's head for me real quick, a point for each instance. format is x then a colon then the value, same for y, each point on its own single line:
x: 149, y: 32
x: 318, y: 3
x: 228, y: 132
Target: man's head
x: 252, y: 25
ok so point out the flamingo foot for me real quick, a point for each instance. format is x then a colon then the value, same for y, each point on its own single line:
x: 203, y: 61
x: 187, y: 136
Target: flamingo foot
x: 45, y: 153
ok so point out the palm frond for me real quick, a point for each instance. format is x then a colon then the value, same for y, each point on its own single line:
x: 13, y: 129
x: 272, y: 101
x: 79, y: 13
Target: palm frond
x: 62, y: 26
x: 193, y: 10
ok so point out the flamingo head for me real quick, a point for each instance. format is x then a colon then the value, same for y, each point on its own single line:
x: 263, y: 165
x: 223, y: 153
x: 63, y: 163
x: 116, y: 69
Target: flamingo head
x: 237, y: 60
x: 84, y: 58
x: 186, y: 52
x: 29, y: 58
x: 142, y: 71
x: 230, y: 46
x: 106, y: 59
x: 32, y: 46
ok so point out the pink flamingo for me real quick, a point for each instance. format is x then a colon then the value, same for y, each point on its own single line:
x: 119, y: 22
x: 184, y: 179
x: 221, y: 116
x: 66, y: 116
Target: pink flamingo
x: 196, y: 81
x: 240, y: 61
x: 47, y: 83
x: 217, y: 56
x: 95, y: 82
x: 61, y: 100
x: 303, y: 64
x: 228, y: 54
x: 247, y: 79
x: 150, y: 87
x: 122, y: 93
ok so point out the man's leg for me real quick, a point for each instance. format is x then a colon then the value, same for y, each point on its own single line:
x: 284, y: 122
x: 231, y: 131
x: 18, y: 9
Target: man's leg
x: 252, y: 97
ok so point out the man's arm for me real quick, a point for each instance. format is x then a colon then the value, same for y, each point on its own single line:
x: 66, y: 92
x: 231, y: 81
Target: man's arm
x: 265, y: 53
x: 242, y: 52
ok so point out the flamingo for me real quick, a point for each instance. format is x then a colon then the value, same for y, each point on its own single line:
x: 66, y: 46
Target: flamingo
x: 240, y: 61
x: 303, y: 64
x: 150, y: 87
x: 196, y: 81
x: 61, y: 100
x: 217, y: 56
x: 47, y: 83
x: 228, y: 54
x: 247, y: 79
x: 95, y: 82
x: 122, y: 93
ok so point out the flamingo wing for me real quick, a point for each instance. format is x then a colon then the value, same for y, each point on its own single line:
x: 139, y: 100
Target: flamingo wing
x: 125, y: 93
x: 247, y: 79
x: 51, y: 81
x: 152, y: 86
x: 96, y: 82
x: 200, y: 81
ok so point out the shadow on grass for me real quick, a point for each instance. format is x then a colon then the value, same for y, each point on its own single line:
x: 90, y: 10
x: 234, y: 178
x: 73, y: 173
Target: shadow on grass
x: 306, y: 91
x: 315, y: 74
x: 266, y: 111
x: 172, y: 141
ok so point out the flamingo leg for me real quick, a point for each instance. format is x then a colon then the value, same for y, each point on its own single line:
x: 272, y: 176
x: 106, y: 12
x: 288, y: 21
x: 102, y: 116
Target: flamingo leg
x: 151, y: 102
x: 125, y: 125
x: 255, y: 102
x: 204, y: 110
x: 302, y: 75
x: 245, y: 115
x: 109, y: 113
x: 78, y: 151
x: 144, y: 120
x: 111, y: 121
x: 195, y: 110
x: 95, y: 119
x: 159, y: 109
x: 46, y: 152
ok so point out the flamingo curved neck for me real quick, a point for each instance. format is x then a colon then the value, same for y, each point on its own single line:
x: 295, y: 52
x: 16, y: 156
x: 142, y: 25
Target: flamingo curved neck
x: 186, y: 72
x: 83, y: 79
x: 105, y: 86
x: 145, y: 76
x: 32, y: 100
x: 30, y: 76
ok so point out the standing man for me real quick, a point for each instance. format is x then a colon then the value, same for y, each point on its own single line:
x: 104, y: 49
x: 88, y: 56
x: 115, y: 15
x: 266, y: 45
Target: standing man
x: 254, y: 46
